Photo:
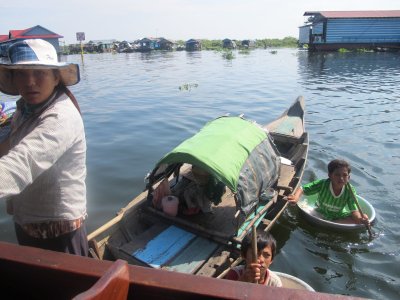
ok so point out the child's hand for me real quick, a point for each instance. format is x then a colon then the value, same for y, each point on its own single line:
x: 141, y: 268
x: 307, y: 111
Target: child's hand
x: 252, y: 273
x: 292, y: 199
x: 365, y: 220
x: 361, y: 219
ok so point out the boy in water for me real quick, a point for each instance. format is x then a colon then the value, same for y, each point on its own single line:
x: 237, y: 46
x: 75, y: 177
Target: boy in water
x: 257, y: 271
x: 333, y: 195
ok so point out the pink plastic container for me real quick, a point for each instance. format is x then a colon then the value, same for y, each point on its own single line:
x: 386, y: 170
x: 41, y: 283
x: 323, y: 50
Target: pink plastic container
x: 170, y: 205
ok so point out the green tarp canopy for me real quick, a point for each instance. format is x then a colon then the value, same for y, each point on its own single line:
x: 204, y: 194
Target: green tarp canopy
x: 235, y: 151
x: 221, y: 148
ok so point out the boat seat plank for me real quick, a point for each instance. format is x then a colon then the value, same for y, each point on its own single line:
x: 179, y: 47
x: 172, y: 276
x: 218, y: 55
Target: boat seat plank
x: 161, y: 248
x: 170, y: 248
x: 193, y: 257
x: 291, y: 126
x: 286, y: 175
x: 142, y: 240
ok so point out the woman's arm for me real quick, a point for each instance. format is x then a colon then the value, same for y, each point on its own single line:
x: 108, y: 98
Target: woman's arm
x: 4, y: 147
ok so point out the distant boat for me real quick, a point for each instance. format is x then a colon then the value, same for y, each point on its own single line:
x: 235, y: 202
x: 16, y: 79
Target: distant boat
x: 308, y: 209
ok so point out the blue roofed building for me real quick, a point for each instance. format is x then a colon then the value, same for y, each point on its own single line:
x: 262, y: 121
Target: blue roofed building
x: 332, y: 30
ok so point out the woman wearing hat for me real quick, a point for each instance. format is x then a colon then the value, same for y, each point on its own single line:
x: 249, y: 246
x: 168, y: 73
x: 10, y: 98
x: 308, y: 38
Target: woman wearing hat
x: 43, y: 162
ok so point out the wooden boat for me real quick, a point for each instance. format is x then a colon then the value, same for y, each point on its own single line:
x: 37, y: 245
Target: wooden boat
x: 32, y: 273
x: 307, y: 206
x: 207, y: 243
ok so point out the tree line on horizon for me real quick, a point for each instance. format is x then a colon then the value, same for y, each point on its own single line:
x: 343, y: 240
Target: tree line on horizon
x: 287, y: 42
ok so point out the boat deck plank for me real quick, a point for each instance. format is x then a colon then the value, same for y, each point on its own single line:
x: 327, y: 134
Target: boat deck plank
x: 160, y: 248
x: 193, y: 257
x: 170, y: 248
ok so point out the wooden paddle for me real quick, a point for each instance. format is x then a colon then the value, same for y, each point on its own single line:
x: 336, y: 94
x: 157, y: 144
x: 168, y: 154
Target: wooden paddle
x: 367, y: 225
x: 254, y: 246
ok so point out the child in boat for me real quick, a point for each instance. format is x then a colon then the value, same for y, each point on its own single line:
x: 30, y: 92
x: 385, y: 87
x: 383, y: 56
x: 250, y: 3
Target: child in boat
x: 257, y: 271
x: 333, y: 194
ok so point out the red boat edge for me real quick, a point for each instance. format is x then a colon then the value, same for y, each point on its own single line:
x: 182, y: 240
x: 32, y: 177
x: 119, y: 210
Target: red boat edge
x: 34, y: 273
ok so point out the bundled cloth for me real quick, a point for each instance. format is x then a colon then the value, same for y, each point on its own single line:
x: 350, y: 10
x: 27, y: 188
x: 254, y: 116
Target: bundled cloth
x: 7, y: 110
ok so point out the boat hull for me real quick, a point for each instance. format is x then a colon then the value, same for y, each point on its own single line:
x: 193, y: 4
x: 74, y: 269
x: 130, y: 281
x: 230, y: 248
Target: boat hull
x: 33, y: 273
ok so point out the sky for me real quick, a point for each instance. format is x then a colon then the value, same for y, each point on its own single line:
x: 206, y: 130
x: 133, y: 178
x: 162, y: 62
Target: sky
x: 172, y: 19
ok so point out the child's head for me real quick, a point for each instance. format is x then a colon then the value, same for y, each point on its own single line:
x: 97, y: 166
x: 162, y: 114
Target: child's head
x: 34, y: 70
x: 338, y: 163
x: 263, y: 240
x: 339, y: 173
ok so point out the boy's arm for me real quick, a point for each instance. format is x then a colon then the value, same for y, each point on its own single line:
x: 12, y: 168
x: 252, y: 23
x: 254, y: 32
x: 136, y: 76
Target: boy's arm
x: 307, y: 189
x: 356, y: 215
x: 294, y: 198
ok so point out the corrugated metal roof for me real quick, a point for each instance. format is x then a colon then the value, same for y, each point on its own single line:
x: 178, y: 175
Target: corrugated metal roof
x: 38, y: 36
x: 356, y: 14
x: 16, y: 33
x: 23, y: 33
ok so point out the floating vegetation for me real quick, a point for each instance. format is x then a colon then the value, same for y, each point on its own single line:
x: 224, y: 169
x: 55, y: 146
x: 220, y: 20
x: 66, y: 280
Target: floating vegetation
x: 228, y: 55
x: 273, y: 51
x: 362, y: 50
x: 188, y: 86
x: 244, y: 51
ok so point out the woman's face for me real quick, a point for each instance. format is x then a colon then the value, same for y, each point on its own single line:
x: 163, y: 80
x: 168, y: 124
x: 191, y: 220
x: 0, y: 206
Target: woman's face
x: 36, y: 85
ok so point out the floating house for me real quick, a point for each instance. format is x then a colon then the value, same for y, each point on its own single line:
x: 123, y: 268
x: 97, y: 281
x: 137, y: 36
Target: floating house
x: 148, y: 44
x: 228, y: 44
x: 248, y: 44
x: 101, y: 46
x: 125, y: 47
x: 166, y: 44
x: 3, y: 45
x: 332, y: 30
x: 193, y: 45
x: 36, y: 32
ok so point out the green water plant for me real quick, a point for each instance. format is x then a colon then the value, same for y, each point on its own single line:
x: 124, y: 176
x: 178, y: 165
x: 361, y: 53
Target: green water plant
x: 188, y: 86
x: 228, y: 55
x: 244, y: 51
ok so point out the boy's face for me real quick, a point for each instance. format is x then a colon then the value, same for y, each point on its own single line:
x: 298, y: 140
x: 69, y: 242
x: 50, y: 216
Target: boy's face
x: 339, y: 177
x: 35, y: 85
x: 264, y: 259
